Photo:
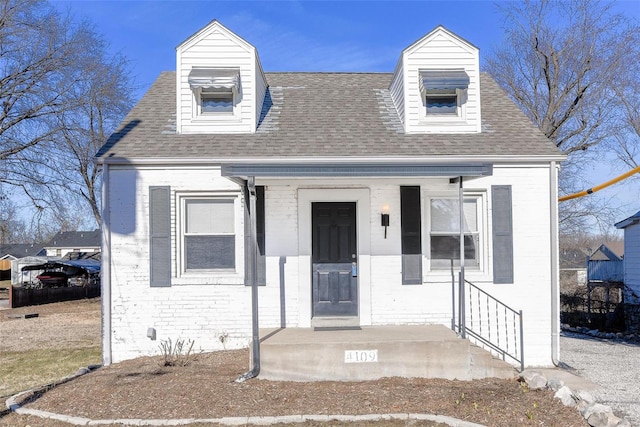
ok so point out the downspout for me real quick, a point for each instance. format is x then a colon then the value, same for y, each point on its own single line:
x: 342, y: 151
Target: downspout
x: 105, y: 269
x: 555, y: 294
x: 252, y: 268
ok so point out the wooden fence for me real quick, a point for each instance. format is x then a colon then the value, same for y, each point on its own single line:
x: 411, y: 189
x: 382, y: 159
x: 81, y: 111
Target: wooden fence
x: 22, y: 297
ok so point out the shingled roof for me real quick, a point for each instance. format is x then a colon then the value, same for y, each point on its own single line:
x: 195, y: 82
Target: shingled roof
x: 326, y: 115
x: 20, y: 250
x: 75, y: 239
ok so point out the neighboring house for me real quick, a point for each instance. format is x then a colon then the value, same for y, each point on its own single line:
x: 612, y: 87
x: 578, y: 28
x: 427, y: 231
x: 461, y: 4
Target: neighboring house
x: 606, y: 263
x: 349, y: 185
x: 631, y: 290
x: 20, y: 250
x: 73, y: 241
x: 573, y: 269
x: 13, y: 251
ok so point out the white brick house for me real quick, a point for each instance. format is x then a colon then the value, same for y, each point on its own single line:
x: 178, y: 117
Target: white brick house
x: 330, y: 158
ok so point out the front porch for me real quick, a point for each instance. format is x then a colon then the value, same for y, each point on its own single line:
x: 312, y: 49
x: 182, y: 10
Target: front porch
x: 372, y: 352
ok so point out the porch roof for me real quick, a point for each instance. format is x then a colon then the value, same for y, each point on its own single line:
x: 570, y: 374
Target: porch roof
x: 356, y: 169
x: 325, y: 115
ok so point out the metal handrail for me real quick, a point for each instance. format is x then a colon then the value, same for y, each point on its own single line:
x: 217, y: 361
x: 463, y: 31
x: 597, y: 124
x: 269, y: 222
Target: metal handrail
x: 489, y: 321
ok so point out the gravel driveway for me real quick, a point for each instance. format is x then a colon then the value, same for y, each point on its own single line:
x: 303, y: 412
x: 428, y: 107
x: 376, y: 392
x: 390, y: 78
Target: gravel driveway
x: 613, y: 365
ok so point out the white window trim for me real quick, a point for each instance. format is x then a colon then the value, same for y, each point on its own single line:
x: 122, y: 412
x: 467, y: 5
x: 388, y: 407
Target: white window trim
x: 199, y: 115
x: 481, y: 273
x: 210, y: 276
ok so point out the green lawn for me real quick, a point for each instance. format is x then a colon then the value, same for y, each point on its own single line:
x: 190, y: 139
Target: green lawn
x: 20, y: 371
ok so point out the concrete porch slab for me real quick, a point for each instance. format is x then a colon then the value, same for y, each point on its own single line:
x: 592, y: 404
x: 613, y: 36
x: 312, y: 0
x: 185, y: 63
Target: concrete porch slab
x: 427, y: 351
x: 365, y: 334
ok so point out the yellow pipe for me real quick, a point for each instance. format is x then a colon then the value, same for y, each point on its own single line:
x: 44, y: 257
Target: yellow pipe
x: 601, y: 186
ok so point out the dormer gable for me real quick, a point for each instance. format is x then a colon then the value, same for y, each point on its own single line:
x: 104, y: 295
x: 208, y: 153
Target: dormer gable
x: 220, y: 84
x: 436, y: 85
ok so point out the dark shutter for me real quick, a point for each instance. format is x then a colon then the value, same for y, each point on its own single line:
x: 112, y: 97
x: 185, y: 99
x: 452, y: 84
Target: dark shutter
x: 411, y: 235
x: 160, y: 236
x: 502, y: 234
x: 261, y: 273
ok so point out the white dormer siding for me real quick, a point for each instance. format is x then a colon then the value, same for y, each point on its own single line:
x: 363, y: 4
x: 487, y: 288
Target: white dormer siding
x: 440, y: 57
x: 234, y: 94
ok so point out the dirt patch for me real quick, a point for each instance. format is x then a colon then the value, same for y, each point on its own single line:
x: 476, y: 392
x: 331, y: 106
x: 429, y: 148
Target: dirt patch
x: 59, y: 325
x: 143, y: 388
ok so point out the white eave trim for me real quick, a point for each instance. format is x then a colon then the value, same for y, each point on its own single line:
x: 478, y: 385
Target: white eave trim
x: 329, y: 160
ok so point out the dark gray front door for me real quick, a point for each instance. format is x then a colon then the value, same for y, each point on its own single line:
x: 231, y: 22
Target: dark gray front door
x: 335, y: 282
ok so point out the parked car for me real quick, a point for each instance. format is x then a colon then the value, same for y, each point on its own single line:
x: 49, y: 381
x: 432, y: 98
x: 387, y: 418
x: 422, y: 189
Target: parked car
x: 53, y: 278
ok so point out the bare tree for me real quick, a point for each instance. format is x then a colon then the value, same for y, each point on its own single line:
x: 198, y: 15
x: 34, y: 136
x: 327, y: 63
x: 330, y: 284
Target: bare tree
x: 34, y: 47
x: 12, y: 227
x: 563, y: 63
x: 102, y: 97
x: 61, y: 94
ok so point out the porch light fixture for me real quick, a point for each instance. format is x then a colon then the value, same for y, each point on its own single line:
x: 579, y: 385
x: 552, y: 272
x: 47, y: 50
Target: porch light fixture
x: 384, y: 218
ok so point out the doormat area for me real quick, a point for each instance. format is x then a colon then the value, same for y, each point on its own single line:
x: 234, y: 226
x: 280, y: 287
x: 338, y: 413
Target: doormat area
x: 336, y: 328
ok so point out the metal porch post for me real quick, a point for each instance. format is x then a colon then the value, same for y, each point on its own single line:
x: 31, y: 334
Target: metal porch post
x: 251, y: 270
x: 462, y: 313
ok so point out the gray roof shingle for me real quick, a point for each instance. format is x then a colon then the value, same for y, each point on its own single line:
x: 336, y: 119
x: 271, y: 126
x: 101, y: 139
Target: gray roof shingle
x: 75, y: 239
x: 327, y: 115
x: 20, y: 250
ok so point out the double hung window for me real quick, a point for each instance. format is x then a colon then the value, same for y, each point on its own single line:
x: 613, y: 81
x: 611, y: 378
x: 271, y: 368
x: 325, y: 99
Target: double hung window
x: 445, y: 233
x: 442, y: 224
x: 209, y: 239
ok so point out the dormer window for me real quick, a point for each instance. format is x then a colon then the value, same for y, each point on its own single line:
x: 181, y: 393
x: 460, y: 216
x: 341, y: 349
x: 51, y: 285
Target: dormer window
x: 216, y: 101
x: 442, y: 102
x: 215, y: 91
x: 444, y: 93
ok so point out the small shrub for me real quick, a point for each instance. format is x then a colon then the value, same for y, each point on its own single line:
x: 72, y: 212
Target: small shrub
x: 223, y: 339
x: 179, y: 353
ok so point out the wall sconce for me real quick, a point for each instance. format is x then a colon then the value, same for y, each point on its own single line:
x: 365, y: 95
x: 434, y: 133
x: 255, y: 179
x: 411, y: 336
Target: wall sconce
x: 384, y: 218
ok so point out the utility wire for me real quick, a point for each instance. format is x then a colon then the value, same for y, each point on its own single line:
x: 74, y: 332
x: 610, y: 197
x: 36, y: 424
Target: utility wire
x: 601, y: 186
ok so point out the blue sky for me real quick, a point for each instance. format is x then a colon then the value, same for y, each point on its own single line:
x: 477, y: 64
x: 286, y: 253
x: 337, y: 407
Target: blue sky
x: 292, y: 35
x: 289, y: 35
x: 308, y: 36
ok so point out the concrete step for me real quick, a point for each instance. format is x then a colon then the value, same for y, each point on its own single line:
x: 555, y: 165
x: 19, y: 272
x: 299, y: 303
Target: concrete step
x: 430, y: 351
x: 486, y: 365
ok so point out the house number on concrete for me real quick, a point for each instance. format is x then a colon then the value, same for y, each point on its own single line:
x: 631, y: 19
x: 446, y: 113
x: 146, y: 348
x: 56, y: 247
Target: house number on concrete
x: 360, y: 356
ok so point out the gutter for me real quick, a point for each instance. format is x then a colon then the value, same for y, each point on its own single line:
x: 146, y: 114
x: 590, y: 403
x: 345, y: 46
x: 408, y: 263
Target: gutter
x: 328, y: 160
x: 555, y: 294
x: 250, y: 240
